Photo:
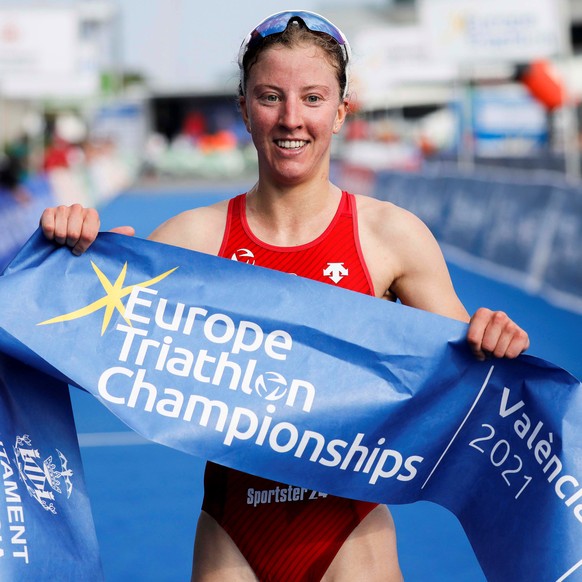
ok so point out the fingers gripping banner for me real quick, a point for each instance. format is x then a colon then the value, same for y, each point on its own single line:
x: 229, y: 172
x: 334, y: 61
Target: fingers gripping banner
x: 286, y: 378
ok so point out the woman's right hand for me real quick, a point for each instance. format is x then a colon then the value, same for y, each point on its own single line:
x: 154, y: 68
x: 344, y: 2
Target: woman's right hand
x: 75, y: 226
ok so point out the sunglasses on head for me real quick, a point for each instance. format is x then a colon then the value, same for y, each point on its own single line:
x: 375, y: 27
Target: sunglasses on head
x: 277, y: 23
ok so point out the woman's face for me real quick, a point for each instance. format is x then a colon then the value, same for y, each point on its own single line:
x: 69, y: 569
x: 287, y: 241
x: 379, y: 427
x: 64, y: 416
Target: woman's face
x: 291, y: 108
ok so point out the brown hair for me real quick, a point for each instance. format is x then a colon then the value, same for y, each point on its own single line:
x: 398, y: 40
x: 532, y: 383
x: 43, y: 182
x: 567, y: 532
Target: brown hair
x: 295, y: 34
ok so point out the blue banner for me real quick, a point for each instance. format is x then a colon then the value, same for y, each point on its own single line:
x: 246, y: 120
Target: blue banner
x: 19, y: 218
x: 304, y: 383
x: 46, y: 527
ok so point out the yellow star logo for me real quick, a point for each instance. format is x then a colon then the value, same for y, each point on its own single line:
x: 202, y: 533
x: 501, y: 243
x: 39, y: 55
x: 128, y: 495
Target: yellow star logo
x: 114, y: 292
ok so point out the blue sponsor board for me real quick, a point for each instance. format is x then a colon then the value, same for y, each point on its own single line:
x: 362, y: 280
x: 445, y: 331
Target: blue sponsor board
x: 531, y: 227
x: 515, y: 224
x: 426, y: 196
x: 508, y: 121
x: 564, y: 271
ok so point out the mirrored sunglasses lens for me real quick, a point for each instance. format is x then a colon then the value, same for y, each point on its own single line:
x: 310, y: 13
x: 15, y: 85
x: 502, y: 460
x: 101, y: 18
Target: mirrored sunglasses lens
x: 319, y: 25
x: 275, y: 24
x: 278, y: 23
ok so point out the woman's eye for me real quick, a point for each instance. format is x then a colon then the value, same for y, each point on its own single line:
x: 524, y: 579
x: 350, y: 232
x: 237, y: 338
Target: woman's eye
x: 271, y: 98
x: 313, y: 99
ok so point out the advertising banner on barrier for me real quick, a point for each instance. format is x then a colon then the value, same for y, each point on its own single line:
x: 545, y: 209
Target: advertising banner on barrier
x: 563, y: 272
x: 303, y: 383
x: 472, y: 31
x: 43, y: 53
x: 532, y: 228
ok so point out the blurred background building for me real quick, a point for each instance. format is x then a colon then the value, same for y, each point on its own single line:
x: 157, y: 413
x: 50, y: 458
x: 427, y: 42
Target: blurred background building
x: 147, y: 89
x: 98, y: 95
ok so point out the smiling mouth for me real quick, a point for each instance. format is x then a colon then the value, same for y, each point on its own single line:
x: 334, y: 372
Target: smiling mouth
x: 290, y: 144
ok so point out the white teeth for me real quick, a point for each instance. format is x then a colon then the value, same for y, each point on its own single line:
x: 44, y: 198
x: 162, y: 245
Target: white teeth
x: 290, y: 144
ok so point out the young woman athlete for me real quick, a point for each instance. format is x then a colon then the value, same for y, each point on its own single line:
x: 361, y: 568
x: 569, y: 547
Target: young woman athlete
x: 293, y: 98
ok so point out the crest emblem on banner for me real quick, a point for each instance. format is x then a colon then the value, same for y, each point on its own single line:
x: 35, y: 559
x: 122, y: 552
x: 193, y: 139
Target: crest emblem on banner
x: 42, y: 478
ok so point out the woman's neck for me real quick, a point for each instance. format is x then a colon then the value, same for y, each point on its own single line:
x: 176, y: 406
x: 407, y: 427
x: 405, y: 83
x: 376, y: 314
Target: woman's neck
x: 291, y: 216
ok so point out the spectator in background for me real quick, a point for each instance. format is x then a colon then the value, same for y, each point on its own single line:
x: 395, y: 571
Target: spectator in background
x: 11, y: 178
x: 57, y: 154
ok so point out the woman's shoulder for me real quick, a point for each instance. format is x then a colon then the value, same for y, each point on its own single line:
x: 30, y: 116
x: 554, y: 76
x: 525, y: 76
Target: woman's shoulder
x: 200, y: 229
x: 387, y: 219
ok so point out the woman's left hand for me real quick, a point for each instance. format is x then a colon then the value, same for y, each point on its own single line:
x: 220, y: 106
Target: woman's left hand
x: 494, y: 334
